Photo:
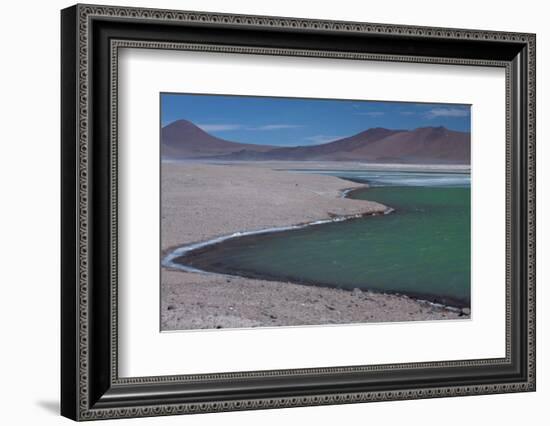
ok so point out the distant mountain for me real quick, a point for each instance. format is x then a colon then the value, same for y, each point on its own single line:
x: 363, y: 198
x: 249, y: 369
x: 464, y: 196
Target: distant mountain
x: 422, y: 145
x: 336, y: 150
x: 427, y: 145
x: 182, y: 139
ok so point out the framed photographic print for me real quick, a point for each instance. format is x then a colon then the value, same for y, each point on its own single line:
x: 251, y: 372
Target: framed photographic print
x: 263, y: 212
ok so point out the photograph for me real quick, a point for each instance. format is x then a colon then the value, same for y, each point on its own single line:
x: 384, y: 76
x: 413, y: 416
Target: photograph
x: 279, y: 211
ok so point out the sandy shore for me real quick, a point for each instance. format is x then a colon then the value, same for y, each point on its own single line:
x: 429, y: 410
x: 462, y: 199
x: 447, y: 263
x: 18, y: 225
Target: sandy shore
x: 200, y: 202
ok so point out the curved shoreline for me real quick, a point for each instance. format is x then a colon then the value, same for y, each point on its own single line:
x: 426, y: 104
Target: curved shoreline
x: 168, y: 260
x: 201, y: 202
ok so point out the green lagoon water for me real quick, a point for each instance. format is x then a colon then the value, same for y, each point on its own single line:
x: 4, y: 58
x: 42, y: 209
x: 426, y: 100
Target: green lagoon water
x: 422, y: 248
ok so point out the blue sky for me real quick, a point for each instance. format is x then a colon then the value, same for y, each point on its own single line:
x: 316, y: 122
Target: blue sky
x: 294, y: 121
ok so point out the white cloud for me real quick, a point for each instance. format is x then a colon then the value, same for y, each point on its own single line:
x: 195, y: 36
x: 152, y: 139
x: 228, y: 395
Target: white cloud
x: 447, y: 112
x: 320, y: 139
x: 228, y: 127
x: 371, y: 113
x: 275, y: 127
x: 219, y: 127
x: 407, y: 113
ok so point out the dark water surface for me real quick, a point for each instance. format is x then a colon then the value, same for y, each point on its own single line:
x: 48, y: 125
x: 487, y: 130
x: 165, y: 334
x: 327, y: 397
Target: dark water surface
x: 421, y: 249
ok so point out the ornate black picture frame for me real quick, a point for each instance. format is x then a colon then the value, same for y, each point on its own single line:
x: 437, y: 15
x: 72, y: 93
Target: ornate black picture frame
x: 91, y: 387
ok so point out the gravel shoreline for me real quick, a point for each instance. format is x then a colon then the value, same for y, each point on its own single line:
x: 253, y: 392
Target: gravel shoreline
x: 201, y: 202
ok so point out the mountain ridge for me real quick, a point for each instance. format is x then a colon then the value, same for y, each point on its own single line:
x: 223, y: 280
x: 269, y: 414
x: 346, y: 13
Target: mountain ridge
x: 184, y: 139
x: 430, y: 145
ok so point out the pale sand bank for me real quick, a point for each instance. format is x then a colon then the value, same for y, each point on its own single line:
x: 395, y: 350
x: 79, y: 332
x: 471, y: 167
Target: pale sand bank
x: 200, y: 202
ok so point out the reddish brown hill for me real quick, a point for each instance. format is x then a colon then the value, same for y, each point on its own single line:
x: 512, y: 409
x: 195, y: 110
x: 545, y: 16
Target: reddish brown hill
x: 423, y: 145
x: 329, y: 151
x: 183, y: 139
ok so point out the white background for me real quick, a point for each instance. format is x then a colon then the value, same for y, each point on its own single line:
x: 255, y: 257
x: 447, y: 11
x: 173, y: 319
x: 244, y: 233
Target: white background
x: 146, y: 352
x: 29, y: 226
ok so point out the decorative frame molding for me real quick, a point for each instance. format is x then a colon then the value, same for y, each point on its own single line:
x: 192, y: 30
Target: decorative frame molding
x: 91, y: 38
